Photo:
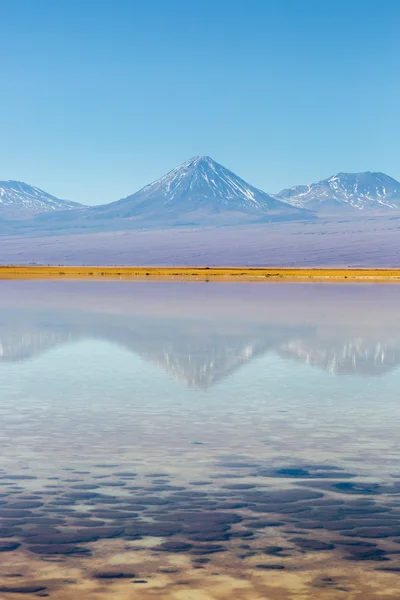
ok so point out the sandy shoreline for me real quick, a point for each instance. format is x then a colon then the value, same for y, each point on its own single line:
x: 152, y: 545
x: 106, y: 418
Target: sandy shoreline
x: 199, y: 273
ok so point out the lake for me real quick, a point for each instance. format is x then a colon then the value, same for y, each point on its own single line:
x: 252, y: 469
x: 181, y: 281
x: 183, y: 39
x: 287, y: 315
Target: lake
x: 199, y: 441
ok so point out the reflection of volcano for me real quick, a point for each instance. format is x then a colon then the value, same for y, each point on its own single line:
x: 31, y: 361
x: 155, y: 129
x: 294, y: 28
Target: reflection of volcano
x: 200, y: 354
x: 203, y: 362
x: 347, y: 356
x: 199, y: 346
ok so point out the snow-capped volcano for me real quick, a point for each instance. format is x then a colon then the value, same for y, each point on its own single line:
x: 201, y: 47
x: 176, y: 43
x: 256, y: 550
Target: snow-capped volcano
x: 18, y: 199
x: 363, y: 191
x: 197, y: 189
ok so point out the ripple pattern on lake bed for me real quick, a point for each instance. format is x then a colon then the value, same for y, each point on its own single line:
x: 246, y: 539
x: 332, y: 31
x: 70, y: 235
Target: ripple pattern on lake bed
x: 223, y: 524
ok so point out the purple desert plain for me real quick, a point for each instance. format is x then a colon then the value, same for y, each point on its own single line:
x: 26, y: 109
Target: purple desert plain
x: 365, y: 242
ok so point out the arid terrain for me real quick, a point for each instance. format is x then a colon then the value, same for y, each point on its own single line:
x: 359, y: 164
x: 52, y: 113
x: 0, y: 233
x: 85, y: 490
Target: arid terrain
x: 360, y: 242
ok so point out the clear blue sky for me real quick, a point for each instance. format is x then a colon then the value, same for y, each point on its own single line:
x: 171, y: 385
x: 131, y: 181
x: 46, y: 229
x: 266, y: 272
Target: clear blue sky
x: 100, y: 97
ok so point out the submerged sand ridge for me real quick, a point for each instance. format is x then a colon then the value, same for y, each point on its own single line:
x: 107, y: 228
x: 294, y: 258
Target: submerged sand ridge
x: 98, y: 533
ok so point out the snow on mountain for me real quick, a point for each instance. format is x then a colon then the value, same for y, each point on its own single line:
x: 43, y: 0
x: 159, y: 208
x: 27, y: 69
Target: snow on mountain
x: 363, y: 191
x: 199, y: 188
x: 18, y: 199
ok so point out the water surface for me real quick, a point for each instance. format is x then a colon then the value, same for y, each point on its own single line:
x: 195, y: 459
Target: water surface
x: 199, y: 441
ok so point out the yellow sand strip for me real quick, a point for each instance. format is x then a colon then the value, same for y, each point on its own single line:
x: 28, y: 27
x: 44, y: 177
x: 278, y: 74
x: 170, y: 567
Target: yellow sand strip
x: 198, y: 273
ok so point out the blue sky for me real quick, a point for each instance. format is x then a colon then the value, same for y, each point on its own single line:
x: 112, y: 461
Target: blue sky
x: 100, y: 97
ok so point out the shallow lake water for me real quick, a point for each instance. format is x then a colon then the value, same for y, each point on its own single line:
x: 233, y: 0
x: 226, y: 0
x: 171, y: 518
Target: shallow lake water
x: 199, y: 441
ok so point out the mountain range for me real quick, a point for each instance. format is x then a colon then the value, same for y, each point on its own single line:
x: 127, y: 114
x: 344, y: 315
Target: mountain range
x: 199, y: 192
x: 20, y: 200
x: 363, y: 191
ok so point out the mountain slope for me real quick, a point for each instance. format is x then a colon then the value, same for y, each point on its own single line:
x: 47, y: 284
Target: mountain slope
x: 199, y: 190
x: 363, y: 191
x: 20, y: 200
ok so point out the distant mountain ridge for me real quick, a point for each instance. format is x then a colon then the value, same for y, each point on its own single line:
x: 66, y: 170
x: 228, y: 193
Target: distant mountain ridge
x: 21, y: 200
x: 199, y: 192
x: 366, y: 191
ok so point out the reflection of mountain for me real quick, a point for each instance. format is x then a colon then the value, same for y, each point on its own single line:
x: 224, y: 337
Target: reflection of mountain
x: 200, y: 352
x: 20, y: 343
x: 202, y: 362
x: 348, y: 356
